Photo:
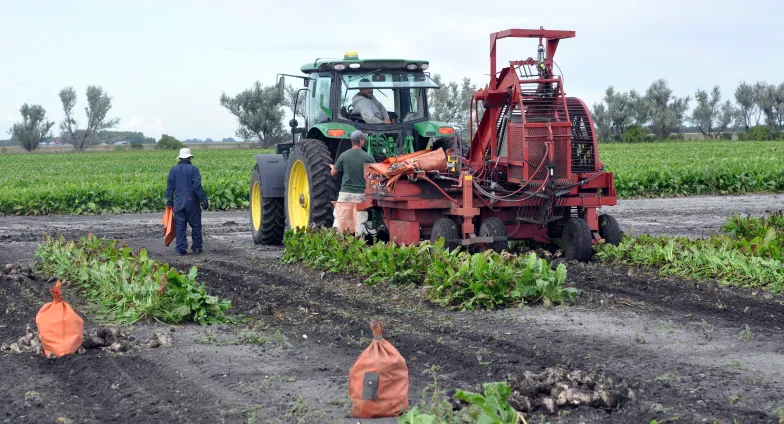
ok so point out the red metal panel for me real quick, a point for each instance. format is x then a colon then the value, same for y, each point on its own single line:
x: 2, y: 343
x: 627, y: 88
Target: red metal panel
x: 404, y: 232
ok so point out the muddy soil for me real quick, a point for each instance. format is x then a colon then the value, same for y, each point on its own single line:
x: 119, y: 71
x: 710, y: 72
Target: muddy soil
x: 686, y: 349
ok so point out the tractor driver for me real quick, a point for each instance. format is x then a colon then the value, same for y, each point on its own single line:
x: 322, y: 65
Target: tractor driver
x: 352, y: 189
x: 365, y: 104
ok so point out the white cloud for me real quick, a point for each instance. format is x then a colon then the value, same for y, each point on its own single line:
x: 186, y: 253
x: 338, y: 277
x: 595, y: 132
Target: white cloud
x: 11, y: 117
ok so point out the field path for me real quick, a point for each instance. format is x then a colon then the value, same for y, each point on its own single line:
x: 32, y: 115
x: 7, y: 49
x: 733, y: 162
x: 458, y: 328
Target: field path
x: 687, y: 349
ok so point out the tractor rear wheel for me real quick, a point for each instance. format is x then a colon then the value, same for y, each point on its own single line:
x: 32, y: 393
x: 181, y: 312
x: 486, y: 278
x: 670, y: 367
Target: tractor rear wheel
x: 310, y: 188
x: 577, y: 240
x: 609, y: 229
x: 447, y: 229
x: 267, y: 220
x: 493, y: 227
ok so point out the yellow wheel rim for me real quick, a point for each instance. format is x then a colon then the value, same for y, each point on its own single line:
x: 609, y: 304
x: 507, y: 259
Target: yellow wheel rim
x: 298, y: 196
x: 255, y: 206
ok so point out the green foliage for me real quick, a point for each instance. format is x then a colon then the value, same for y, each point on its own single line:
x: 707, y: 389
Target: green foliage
x: 259, y: 113
x: 756, y: 133
x: 124, y: 287
x: 694, y: 168
x: 34, y: 127
x: 108, y: 182
x: 168, y: 142
x: 135, y: 145
x: 98, y: 105
x: 635, y: 134
x: 489, y: 407
x: 455, y: 279
x: 750, y: 255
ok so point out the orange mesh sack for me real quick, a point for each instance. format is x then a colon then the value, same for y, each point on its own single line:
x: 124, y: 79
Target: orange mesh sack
x: 169, y: 232
x: 346, y: 213
x: 378, y: 380
x: 59, y: 327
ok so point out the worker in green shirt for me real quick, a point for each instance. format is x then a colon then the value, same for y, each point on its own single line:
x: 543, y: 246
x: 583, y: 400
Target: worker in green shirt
x: 352, y: 164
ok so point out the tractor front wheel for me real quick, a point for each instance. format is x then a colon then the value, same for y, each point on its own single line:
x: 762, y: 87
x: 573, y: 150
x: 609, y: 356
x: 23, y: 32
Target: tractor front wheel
x: 267, y: 221
x: 577, y: 240
x: 447, y: 229
x: 310, y: 189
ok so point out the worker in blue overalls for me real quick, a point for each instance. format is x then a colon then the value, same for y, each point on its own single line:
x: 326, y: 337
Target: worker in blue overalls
x: 186, y: 195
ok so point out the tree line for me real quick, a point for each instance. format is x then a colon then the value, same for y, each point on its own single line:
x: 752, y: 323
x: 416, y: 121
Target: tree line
x: 35, y: 128
x: 757, y: 113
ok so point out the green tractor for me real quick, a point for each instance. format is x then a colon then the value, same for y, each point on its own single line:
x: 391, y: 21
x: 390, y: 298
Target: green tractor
x: 293, y: 187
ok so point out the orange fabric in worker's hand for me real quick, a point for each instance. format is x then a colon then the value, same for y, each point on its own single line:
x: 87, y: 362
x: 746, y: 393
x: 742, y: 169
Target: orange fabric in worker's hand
x: 59, y: 327
x: 169, y: 231
x: 390, y: 385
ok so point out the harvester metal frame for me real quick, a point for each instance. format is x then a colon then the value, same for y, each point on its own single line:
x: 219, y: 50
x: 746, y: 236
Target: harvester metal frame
x: 532, y: 171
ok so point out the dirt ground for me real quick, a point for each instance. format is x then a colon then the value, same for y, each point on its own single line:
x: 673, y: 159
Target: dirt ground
x: 686, y: 349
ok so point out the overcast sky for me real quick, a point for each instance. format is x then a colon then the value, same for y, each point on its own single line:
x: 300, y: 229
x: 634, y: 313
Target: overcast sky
x: 166, y: 62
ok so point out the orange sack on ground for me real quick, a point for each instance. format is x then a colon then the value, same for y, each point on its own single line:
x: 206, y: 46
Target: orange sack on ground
x: 378, y: 380
x: 59, y: 327
x: 169, y: 232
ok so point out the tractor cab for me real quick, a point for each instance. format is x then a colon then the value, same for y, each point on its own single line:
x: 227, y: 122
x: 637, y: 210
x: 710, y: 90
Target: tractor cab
x: 336, y: 90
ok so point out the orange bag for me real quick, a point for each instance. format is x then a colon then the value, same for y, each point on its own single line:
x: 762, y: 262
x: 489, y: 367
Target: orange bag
x: 378, y: 380
x: 59, y: 327
x: 169, y: 232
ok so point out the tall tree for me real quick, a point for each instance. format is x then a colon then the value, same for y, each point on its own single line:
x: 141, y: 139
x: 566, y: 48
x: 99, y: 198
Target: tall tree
x: 452, y: 102
x: 601, y: 118
x: 770, y: 100
x: 295, y: 102
x: 259, y: 113
x: 34, y: 127
x: 747, y: 106
x: 666, y: 111
x: 98, y: 105
x: 710, y: 116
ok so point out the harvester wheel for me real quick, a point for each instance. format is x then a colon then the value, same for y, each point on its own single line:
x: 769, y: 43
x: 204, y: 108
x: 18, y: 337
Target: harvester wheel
x: 609, y: 229
x: 447, y: 229
x: 267, y: 221
x: 494, y: 227
x: 309, y: 187
x: 577, y: 240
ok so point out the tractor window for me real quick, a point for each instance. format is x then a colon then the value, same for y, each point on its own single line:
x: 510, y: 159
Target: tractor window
x: 401, y: 104
x: 319, y: 101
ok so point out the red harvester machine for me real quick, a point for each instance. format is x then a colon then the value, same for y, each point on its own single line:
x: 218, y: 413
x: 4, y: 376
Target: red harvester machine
x: 532, y: 169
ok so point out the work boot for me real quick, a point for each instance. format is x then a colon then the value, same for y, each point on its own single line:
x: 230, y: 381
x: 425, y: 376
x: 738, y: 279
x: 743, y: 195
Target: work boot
x: 197, y: 251
x: 181, y: 253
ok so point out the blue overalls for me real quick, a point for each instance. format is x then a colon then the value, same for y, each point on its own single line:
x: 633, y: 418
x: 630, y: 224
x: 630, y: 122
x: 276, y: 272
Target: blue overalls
x: 184, y: 190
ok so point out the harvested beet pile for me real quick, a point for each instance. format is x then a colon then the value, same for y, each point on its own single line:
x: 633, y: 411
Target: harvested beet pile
x: 16, y: 272
x: 112, y: 339
x: 555, y: 389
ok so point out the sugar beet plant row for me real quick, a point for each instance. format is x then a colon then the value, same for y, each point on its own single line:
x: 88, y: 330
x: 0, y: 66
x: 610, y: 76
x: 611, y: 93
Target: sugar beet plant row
x: 120, y: 182
x: 455, y: 279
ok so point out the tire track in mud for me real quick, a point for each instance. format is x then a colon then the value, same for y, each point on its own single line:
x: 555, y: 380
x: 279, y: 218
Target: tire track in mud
x: 454, y: 345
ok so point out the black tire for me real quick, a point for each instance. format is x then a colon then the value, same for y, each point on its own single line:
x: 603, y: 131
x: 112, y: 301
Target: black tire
x: 272, y: 222
x: 446, y: 228
x: 577, y: 240
x: 609, y: 229
x: 494, y: 227
x: 315, y: 156
x: 451, y: 143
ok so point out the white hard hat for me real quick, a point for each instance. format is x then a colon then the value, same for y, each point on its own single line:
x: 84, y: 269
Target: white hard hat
x: 185, y: 153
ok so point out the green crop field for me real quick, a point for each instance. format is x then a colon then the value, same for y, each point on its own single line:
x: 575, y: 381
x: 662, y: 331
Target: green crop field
x: 135, y: 181
x: 699, y: 167
x: 115, y: 182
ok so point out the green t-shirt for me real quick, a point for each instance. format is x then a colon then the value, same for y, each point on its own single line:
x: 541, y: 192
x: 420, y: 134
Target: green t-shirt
x: 351, y: 164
